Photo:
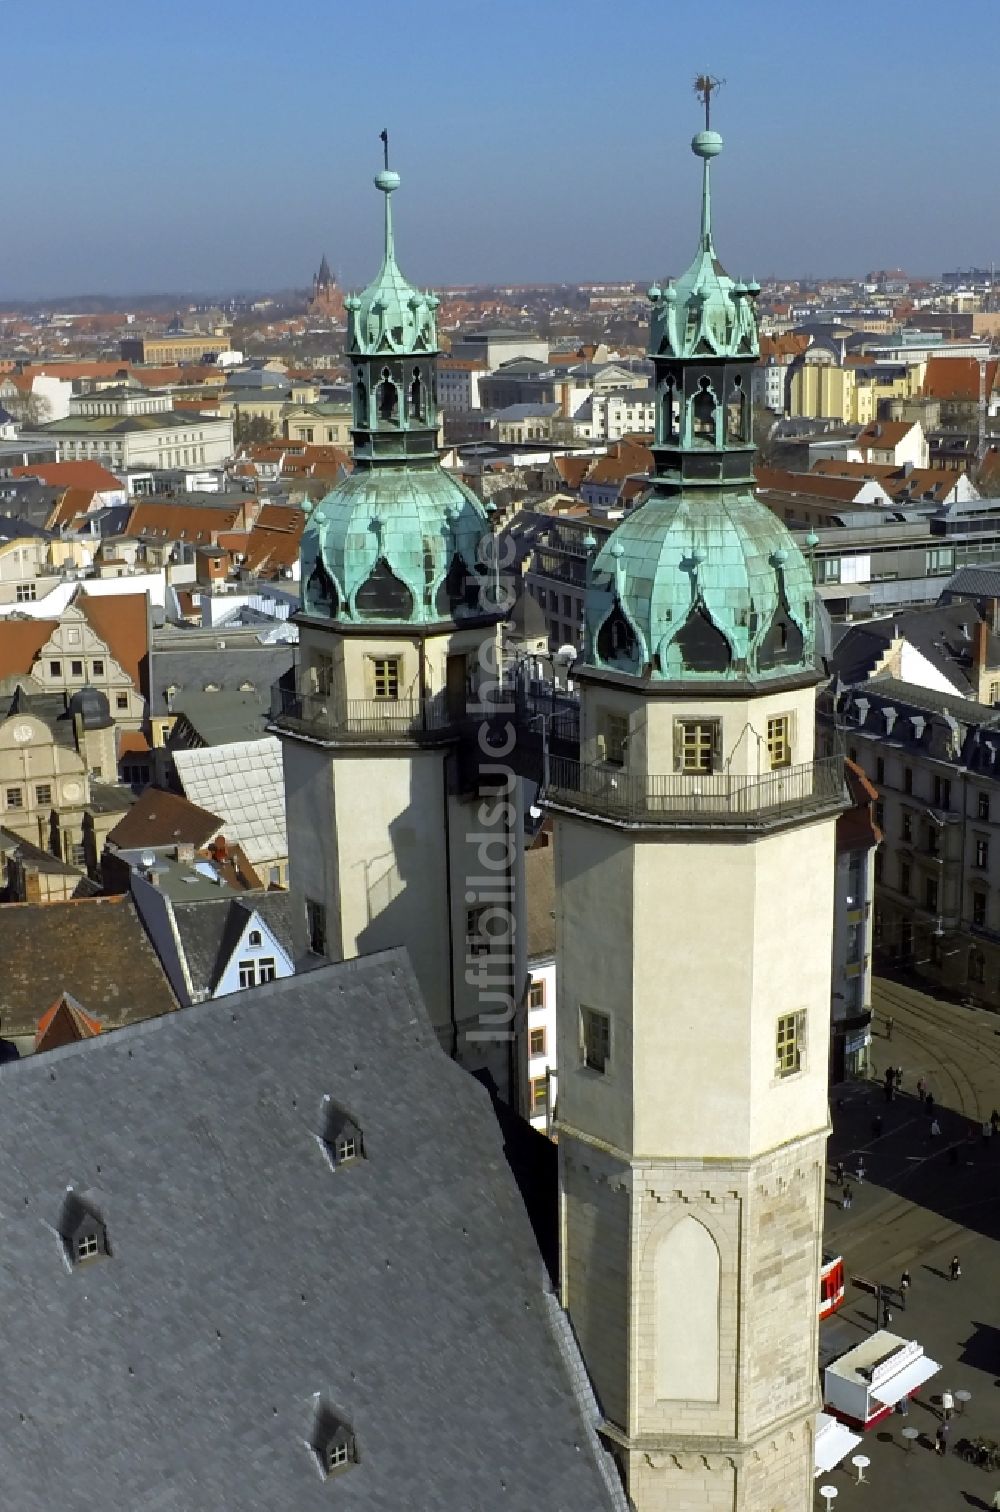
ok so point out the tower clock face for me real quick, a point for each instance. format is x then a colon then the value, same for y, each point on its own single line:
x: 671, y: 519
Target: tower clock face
x: 22, y: 733
x: 71, y: 791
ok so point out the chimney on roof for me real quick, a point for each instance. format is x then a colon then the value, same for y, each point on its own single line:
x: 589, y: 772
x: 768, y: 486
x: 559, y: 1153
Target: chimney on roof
x: 152, y: 876
x: 184, y: 852
x: 218, y: 848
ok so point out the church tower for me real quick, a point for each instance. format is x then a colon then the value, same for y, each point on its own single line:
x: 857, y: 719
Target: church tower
x: 398, y: 649
x: 694, y: 880
x: 326, y: 297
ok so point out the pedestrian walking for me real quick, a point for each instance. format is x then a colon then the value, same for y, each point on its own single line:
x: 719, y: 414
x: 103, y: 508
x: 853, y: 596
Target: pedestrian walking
x: 995, y: 1503
x: 941, y: 1439
x: 899, y: 1078
x: 955, y: 1268
x: 886, y: 1315
x: 929, y: 1102
x: 888, y: 1089
x: 921, y: 1089
x: 888, y: 1028
x: 839, y: 1177
x: 877, y: 1126
x: 936, y: 1129
x: 904, y: 1406
x: 904, y: 1286
x: 987, y: 1131
x: 947, y: 1405
x: 846, y: 1197
x: 995, y: 1120
x: 860, y: 1173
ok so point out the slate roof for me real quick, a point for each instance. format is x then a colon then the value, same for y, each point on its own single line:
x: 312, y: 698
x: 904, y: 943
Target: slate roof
x: 224, y: 717
x: 972, y: 583
x: 209, y: 931
x: 942, y: 633
x: 94, y: 948
x: 190, y: 669
x: 244, y: 783
x: 246, y: 1275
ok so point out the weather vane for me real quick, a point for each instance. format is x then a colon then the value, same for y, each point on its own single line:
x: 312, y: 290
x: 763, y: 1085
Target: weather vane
x: 705, y: 86
x: 384, y: 139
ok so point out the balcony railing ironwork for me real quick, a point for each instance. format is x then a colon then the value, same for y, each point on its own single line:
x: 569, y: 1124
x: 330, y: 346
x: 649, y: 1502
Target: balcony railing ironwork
x: 694, y: 798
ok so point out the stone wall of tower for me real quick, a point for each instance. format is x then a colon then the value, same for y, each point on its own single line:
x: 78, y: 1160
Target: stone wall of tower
x: 751, y: 1446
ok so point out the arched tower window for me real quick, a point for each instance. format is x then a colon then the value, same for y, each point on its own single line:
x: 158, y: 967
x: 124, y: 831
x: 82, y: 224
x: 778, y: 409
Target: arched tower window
x: 361, y: 401
x: 671, y: 409
x: 383, y: 595
x: 702, y: 645
x: 616, y: 639
x: 388, y: 398
x: 686, y: 1276
x: 703, y: 414
x: 736, y: 412
x: 417, y: 396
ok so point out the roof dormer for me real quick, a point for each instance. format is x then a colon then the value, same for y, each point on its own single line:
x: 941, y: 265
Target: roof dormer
x: 82, y: 1229
x: 332, y: 1440
x: 339, y: 1134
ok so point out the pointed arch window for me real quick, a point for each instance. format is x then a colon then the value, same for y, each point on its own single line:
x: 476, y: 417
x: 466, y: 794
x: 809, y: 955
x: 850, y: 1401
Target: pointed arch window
x: 783, y: 643
x: 703, y: 407
x: 736, y: 413
x: 616, y: 640
x: 671, y: 409
x: 417, y: 396
x: 388, y: 398
x: 321, y: 591
x: 702, y: 645
x: 383, y: 595
x: 361, y: 402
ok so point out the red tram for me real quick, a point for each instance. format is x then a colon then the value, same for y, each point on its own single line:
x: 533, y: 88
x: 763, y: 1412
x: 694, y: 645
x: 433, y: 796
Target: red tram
x: 831, y: 1285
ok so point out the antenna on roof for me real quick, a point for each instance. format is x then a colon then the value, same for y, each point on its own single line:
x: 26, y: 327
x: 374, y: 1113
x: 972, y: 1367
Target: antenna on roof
x: 384, y: 139
x: 705, y: 86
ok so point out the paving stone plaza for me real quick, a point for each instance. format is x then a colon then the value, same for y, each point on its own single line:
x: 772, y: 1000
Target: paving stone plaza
x: 924, y: 1198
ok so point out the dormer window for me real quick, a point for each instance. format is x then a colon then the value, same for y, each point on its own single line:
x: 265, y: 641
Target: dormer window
x: 339, y: 1134
x: 254, y: 938
x: 333, y: 1441
x: 82, y: 1229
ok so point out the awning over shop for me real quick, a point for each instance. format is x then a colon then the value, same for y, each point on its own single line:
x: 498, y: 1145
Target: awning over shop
x: 898, y: 1386
x: 833, y: 1442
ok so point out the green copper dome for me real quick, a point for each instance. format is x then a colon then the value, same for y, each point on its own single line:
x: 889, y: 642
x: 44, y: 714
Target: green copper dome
x: 700, y: 583
x: 397, y: 545
x: 705, y: 587
x: 400, y: 540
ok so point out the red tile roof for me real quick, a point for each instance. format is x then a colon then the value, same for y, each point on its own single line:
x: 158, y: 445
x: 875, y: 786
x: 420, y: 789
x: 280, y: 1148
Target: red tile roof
x: 70, y: 506
x: 122, y: 622
x: 956, y: 378
x: 63, y: 1024
x: 89, y: 475
x: 180, y: 522
x: 159, y: 818
x: 20, y: 644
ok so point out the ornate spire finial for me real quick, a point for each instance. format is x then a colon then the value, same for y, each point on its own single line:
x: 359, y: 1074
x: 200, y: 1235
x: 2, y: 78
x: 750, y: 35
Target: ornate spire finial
x: 706, y: 145
x: 387, y: 181
x: 705, y: 86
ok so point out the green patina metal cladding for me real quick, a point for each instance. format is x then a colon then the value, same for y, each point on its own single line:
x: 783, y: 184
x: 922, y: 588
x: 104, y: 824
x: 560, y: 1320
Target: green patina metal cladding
x: 399, y: 511
x: 699, y: 556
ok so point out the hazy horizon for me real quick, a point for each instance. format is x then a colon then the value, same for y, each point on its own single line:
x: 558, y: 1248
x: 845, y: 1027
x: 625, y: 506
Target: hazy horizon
x: 213, y: 158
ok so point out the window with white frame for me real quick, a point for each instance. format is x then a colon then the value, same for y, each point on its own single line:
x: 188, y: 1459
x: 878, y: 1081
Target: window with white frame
x: 87, y: 1247
x: 248, y: 973
x: 254, y: 939
x: 267, y: 969
x: 612, y: 737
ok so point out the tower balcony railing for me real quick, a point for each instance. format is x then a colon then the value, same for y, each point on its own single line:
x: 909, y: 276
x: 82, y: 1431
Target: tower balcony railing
x: 325, y: 716
x: 718, y: 798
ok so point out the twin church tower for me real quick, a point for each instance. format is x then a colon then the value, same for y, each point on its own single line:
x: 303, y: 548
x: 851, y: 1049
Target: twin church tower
x: 694, y: 855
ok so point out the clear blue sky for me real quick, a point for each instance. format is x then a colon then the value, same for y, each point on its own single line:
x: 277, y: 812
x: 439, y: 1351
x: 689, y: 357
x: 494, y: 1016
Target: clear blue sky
x: 227, y: 143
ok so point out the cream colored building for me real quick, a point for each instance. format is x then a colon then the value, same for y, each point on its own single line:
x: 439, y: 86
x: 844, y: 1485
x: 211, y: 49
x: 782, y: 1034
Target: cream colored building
x: 822, y: 387
x: 694, y: 845
x: 130, y: 427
